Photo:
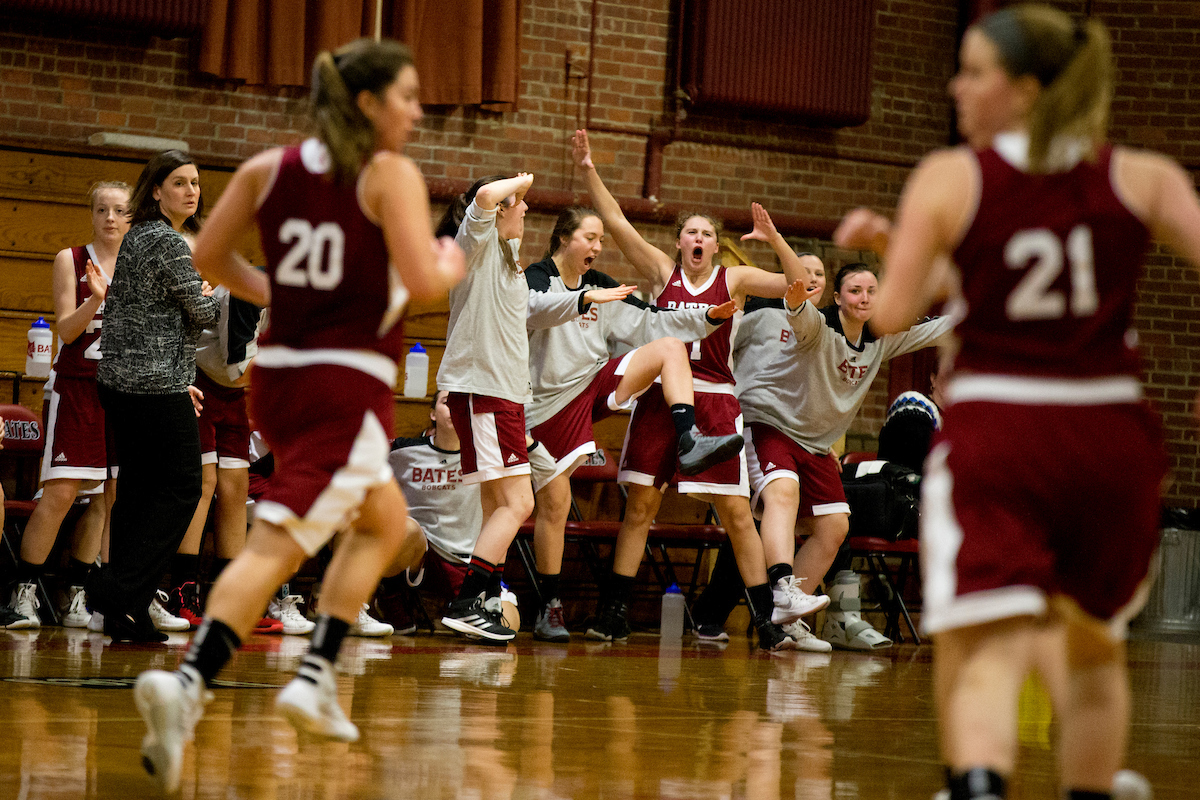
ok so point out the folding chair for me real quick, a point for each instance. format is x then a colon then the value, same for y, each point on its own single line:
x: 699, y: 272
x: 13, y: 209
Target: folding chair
x: 19, y: 468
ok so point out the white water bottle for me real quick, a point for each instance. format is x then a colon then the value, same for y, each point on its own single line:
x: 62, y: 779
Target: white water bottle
x: 38, y: 356
x: 416, y: 371
x: 672, y: 614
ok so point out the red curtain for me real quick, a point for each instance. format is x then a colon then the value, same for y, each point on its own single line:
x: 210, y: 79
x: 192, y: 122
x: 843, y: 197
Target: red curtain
x: 467, y: 51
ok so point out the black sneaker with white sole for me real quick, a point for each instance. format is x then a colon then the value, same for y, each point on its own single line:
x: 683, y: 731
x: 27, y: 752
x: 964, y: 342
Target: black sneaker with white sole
x: 711, y: 632
x: 468, y: 616
x: 772, y: 638
x: 698, y: 452
x: 611, y: 623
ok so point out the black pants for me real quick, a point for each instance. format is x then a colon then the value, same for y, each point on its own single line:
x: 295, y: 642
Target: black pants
x: 158, y: 488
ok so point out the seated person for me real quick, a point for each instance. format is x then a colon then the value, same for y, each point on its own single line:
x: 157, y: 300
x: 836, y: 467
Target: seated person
x: 445, y: 517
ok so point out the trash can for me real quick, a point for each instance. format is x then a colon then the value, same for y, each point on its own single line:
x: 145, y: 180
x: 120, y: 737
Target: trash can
x: 1174, y: 602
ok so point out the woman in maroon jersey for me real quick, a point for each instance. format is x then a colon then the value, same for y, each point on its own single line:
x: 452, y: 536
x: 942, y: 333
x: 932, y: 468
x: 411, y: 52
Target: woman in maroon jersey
x: 1041, y: 495
x: 690, y: 279
x: 76, y: 451
x: 344, y: 221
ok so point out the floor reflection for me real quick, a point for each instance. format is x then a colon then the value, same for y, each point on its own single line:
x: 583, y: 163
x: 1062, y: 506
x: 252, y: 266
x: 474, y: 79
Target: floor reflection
x: 441, y: 719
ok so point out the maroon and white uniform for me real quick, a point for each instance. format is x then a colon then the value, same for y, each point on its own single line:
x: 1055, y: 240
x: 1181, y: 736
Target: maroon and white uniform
x: 76, y: 446
x: 321, y: 390
x: 648, y: 457
x: 1045, y: 477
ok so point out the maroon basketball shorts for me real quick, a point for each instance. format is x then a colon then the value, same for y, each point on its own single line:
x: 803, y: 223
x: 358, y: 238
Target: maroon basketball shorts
x: 1022, y: 502
x: 568, y: 436
x: 649, y: 456
x: 491, y: 434
x: 76, y: 444
x: 330, y: 430
x: 224, y: 425
x: 771, y: 455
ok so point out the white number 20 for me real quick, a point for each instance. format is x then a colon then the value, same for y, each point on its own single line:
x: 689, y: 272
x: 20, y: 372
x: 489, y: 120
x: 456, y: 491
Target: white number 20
x: 315, y: 258
x: 1042, y: 252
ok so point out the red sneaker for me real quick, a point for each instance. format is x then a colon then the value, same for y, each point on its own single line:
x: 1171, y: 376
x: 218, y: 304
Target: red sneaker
x: 269, y: 625
x: 184, y: 601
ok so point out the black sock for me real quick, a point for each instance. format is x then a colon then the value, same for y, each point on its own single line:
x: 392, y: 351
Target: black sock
x: 327, y: 637
x: 184, y: 567
x: 77, y: 571
x: 978, y: 782
x: 684, y: 417
x: 761, y: 602
x: 493, y: 585
x: 620, y: 588
x: 475, y: 582
x: 212, y: 647
x: 218, y: 566
x: 549, y: 585
x: 29, y: 573
x: 1083, y: 794
x: 775, y: 572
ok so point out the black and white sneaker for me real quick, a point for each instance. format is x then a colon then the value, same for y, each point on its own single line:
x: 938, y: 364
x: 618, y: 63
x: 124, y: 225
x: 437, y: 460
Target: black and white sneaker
x: 711, y: 632
x: 698, y: 452
x: 468, y: 616
x: 611, y: 623
x: 772, y: 638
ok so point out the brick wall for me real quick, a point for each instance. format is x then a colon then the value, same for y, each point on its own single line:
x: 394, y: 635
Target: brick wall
x: 59, y: 85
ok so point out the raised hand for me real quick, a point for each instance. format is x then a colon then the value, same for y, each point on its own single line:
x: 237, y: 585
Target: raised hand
x: 764, y: 228
x: 863, y: 229
x: 450, y: 260
x: 723, y: 311
x: 97, y: 281
x: 524, y: 186
x: 798, y: 292
x: 581, y: 151
x: 608, y: 295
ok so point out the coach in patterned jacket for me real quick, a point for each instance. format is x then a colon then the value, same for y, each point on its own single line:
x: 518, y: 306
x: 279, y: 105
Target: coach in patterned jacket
x: 153, y: 315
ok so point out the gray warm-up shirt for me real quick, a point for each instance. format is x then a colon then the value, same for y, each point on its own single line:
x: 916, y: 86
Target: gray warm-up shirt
x: 799, y: 373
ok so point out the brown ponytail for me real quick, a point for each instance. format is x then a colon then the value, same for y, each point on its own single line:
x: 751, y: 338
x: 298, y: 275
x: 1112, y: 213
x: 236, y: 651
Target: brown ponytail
x: 1072, y: 63
x: 337, y: 79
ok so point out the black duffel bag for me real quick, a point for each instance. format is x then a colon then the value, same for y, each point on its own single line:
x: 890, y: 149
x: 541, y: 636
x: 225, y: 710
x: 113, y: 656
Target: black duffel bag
x: 883, y: 499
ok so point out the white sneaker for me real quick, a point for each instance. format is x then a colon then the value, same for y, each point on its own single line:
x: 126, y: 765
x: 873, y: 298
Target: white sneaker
x: 25, y: 603
x: 1130, y: 785
x: 164, y: 620
x: 170, y: 707
x: 805, y: 639
x: 76, y: 614
x: 309, y: 703
x: 95, y: 623
x: 287, y: 611
x: 366, y: 625
x: 792, y: 602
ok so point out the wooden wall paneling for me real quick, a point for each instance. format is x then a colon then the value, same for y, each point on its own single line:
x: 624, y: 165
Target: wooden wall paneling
x: 25, y: 282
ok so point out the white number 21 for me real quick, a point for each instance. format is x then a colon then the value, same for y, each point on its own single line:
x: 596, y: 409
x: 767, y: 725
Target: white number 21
x: 1043, y: 253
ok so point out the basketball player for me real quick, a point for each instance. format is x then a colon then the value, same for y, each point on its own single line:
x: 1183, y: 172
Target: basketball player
x: 1040, y: 501
x: 76, y: 453
x: 344, y: 222
x: 648, y: 463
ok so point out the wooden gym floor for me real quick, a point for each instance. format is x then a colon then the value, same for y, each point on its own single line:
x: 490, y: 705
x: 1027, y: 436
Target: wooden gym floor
x: 441, y: 718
